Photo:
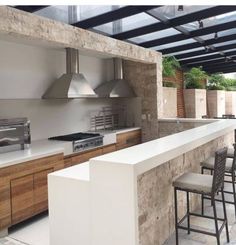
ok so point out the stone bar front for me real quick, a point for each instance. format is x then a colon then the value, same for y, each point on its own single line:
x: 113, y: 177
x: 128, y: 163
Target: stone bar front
x: 126, y: 197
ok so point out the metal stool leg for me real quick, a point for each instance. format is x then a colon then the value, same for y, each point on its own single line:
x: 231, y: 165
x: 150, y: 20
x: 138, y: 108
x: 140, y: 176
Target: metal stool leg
x: 216, y: 222
x: 234, y: 194
x: 225, y: 215
x: 188, y: 218
x: 202, y: 196
x: 176, y: 217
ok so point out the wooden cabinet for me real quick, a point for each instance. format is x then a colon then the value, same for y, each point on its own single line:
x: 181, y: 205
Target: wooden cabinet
x: 128, y: 139
x: 41, y: 190
x: 22, y: 198
x: 83, y: 157
x: 23, y: 189
x: 108, y: 148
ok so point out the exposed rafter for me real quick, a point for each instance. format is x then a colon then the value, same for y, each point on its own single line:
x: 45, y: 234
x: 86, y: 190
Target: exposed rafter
x: 228, y: 69
x: 195, y: 33
x: 206, y: 57
x: 219, y: 66
x: 202, y: 52
x: 213, y: 62
x: 114, y: 15
x: 31, y: 8
x: 202, y: 14
x: 197, y: 44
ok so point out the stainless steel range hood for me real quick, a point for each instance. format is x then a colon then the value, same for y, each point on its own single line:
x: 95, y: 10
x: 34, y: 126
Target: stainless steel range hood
x: 72, y: 84
x: 118, y: 87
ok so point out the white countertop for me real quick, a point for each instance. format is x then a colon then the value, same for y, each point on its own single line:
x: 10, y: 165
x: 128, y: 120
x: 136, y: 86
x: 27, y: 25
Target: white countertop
x: 153, y: 153
x: 185, y: 120
x: 44, y: 148
x: 38, y: 149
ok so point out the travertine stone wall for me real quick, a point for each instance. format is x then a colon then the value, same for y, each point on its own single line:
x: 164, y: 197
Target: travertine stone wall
x: 155, y: 192
x: 146, y: 80
x: 169, y: 102
x: 30, y: 27
x: 216, y: 103
x: 168, y: 128
x: 195, y: 103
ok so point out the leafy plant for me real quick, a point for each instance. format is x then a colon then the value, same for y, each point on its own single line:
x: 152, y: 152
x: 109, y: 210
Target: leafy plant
x: 194, y: 78
x: 169, y: 66
x: 216, y: 82
x: 169, y: 84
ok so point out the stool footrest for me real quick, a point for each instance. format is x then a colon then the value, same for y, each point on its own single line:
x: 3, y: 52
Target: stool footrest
x: 219, y: 200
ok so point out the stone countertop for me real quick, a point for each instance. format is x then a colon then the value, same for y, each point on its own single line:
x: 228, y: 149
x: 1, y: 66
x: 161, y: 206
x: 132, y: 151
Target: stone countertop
x: 148, y: 155
x: 43, y: 148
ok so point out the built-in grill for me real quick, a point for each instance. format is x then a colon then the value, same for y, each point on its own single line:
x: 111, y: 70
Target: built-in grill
x: 81, y: 141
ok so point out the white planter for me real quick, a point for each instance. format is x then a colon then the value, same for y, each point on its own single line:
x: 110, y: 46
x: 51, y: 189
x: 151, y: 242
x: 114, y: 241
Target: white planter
x: 195, y: 103
x: 230, y: 102
x: 169, y: 102
x: 216, y: 103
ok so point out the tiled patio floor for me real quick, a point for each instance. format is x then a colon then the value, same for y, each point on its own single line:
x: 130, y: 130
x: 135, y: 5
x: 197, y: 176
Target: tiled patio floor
x: 206, y: 224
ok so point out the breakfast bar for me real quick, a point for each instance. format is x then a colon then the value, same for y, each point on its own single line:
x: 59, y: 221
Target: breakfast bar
x: 126, y: 197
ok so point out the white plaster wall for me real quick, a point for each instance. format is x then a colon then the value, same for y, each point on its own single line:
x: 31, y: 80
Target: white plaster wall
x: 25, y: 74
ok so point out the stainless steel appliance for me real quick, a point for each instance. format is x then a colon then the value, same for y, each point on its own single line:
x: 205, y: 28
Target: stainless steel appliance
x: 72, y: 84
x: 15, y: 131
x: 118, y: 87
x: 81, y: 141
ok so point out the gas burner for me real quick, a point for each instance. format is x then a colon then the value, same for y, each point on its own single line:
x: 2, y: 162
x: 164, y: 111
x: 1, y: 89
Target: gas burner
x: 81, y: 141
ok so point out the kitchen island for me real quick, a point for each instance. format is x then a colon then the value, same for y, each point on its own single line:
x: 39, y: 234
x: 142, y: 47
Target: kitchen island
x: 126, y: 197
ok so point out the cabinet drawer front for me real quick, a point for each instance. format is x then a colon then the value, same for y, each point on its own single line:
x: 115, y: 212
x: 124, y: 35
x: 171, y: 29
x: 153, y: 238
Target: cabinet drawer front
x: 5, y: 205
x: 41, y: 191
x: 67, y: 162
x: 128, y: 139
x: 109, y: 148
x: 83, y: 157
x: 22, y: 198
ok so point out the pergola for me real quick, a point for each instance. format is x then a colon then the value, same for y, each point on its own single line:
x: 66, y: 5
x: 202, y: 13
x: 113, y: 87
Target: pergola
x: 196, y: 35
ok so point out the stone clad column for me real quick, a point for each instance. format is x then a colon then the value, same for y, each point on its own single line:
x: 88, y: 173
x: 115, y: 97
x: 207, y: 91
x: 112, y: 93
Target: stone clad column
x: 146, y: 80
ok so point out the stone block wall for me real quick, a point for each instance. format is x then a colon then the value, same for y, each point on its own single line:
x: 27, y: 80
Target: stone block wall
x: 156, y: 197
x: 169, y: 102
x: 172, y: 127
x: 195, y: 103
x: 216, y: 103
x: 230, y: 102
x: 146, y: 80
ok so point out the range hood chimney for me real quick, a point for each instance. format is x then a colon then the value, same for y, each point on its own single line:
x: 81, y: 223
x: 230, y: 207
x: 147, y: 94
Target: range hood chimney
x: 72, y: 84
x: 118, y: 87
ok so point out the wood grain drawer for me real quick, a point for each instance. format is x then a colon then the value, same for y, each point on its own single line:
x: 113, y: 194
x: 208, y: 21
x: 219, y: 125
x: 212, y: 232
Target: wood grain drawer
x: 128, y: 139
x: 83, y: 157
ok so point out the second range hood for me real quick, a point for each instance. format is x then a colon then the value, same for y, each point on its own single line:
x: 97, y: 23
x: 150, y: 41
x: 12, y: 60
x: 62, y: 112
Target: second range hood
x: 72, y: 84
x: 118, y: 87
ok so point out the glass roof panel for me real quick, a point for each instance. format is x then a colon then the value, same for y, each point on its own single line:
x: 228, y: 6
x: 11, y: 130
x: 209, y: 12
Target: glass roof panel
x: 59, y: 13
x: 171, y: 11
x: 127, y: 24
x: 224, y: 43
x: 82, y: 12
x: 219, y: 19
x: 203, y: 55
x: 175, y: 44
x: 187, y: 51
x: 220, y: 34
x: 154, y: 35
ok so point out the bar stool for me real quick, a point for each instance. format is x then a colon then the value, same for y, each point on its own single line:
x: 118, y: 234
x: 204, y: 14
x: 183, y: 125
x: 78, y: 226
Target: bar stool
x: 205, y: 185
x: 230, y: 168
x: 230, y: 153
